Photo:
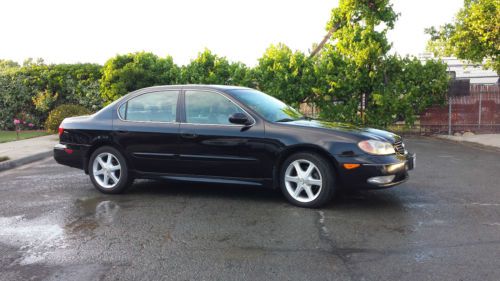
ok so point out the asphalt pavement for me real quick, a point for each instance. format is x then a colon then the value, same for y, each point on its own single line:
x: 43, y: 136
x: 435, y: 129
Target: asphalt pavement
x: 443, y: 224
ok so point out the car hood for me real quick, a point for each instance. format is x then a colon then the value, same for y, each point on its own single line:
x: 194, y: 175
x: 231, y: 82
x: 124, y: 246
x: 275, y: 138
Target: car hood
x: 364, y: 133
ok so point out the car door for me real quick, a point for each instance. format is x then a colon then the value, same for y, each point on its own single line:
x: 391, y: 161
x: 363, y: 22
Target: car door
x: 148, y: 131
x: 211, y: 146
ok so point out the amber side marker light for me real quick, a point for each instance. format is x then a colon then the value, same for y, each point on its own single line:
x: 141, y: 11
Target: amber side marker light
x: 351, y: 166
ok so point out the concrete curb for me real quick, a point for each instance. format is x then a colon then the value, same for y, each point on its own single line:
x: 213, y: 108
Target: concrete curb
x: 10, y: 164
x: 467, y: 143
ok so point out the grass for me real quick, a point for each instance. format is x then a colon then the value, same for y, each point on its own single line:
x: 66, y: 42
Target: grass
x: 6, y: 136
x: 4, y: 158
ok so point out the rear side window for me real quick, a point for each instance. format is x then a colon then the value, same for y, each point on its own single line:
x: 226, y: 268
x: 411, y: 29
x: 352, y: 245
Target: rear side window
x: 153, y: 107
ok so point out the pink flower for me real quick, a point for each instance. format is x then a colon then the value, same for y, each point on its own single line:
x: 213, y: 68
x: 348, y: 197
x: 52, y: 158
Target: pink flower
x: 24, y: 122
x: 17, y: 121
x: 31, y: 124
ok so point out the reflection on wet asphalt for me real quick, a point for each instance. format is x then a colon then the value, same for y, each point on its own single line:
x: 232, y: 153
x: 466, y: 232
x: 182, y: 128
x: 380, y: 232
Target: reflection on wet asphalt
x: 444, y: 224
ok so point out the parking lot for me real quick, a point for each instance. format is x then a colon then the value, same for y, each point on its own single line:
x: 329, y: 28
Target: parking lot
x: 443, y: 224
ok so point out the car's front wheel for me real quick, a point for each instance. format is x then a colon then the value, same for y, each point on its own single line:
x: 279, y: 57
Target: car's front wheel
x: 307, y: 180
x: 108, y: 170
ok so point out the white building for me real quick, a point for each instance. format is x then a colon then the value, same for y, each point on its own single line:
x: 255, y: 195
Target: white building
x: 465, y: 70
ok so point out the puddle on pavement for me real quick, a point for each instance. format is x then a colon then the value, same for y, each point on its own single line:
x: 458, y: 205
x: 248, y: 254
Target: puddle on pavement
x: 104, y: 210
x: 35, y: 238
x: 92, y: 213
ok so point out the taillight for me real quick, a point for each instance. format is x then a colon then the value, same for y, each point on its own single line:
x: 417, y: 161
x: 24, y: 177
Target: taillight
x: 61, y: 130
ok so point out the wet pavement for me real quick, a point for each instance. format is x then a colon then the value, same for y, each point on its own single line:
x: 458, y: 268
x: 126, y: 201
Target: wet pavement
x: 444, y: 224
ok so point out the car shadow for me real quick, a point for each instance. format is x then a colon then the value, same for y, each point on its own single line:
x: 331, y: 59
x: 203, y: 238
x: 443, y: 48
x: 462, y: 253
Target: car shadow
x: 345, y: 199
x: 204, y: 190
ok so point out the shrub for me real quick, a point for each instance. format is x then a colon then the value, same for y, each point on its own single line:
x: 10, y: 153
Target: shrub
x: 57, y: 115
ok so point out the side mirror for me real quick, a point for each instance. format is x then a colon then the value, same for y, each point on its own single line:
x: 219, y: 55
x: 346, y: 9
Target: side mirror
x: 240, y: 119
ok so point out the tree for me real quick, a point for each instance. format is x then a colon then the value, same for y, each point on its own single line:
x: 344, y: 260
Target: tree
x: 15, y: 100
x: 125, y: 73
x: 338, y: 86
x: 286, y: 74
x: 407, y: 87
x: 7, y: 64
x: 474, y: 35
x: 359, y: 39
x: 360, y: 82
x: 241, y: 75
x: 31, y: 91
x: 209, y: 68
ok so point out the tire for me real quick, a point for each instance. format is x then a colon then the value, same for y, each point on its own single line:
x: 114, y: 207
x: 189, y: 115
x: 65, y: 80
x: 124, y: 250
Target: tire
x: 311, y: 190
x: 114, y: 165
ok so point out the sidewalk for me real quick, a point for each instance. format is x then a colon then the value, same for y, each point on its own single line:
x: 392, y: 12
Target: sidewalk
x: 26, y: 151
x: 492, y: 140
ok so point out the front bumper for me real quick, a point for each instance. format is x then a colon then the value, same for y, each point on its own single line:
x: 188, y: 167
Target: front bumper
x: 369, y: 171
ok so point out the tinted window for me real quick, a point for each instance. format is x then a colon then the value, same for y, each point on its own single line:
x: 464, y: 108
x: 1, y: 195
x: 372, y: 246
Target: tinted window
x: 156, y: 106
x: 209, y: 108
x: 270, y: 108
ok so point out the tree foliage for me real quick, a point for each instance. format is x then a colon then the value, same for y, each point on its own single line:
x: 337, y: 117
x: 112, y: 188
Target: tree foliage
x: 209, y: 68
x: 6, y: 65
x: 406, y: 87
x: 126, y: 73
x: 474, y: 35
x: 14, y: 99
x: 360, y: 82
x: 32, y: 90
x: 57, y: 115
x: 285, y: 74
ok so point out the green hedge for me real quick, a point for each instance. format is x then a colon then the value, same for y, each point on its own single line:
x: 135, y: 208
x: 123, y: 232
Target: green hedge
x: 57, y: 115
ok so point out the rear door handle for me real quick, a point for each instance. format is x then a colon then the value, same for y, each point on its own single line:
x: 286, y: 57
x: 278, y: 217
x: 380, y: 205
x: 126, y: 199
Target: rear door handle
x: 189, y: 135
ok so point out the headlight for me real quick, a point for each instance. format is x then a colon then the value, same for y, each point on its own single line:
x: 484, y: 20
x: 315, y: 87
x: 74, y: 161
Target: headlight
x: 376, y: 147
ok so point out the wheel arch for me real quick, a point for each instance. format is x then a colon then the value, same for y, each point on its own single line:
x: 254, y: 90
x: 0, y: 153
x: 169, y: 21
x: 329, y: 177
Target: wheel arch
x: 100, y: 143
x: 283, y: 155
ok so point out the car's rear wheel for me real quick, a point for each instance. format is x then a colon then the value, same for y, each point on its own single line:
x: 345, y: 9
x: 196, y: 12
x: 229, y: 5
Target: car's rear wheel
x: 307, y: 180
x: 108, y: 170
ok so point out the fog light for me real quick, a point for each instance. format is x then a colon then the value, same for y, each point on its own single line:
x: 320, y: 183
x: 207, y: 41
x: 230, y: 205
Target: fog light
x: 381, y: 180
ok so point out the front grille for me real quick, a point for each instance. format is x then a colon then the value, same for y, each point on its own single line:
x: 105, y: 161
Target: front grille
x: 399, y: 147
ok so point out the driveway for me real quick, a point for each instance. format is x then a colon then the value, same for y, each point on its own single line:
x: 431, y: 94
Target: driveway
x: 444, y: 224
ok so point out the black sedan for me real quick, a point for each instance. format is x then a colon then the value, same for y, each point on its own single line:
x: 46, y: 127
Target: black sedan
x: 228, y: 135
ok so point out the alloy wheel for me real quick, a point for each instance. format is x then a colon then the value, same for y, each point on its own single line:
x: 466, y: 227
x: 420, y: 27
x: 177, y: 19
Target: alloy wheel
x: 303, y: 180
x: 106, y: 170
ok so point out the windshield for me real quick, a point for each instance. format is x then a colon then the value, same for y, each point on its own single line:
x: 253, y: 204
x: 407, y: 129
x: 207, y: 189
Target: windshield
x: 270, y: 108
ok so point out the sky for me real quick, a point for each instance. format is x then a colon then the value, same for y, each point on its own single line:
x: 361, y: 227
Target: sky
x: 62, y: 31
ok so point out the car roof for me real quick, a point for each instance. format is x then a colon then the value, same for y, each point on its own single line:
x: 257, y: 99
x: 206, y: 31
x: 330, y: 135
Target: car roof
x: 194, y: 86
x: 141, y: 91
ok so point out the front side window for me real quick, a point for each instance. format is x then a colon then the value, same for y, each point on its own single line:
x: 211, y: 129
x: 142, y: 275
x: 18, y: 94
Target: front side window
x: 209, y: 108
x: 269, y: 107
x: 154, y: 107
